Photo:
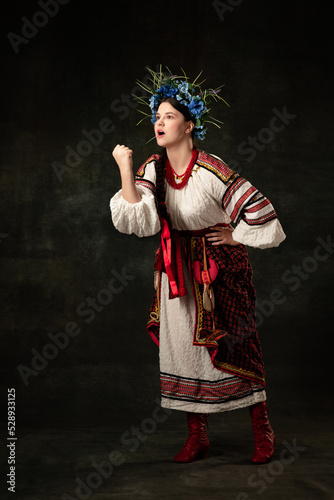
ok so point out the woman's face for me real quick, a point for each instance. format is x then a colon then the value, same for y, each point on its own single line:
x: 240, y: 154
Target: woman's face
x: 171, y: 128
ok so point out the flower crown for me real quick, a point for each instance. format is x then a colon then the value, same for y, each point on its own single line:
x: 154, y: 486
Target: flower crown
x: 189, y: 94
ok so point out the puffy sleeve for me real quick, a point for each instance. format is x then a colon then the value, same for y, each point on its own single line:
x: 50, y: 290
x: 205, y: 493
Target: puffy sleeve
x: 256, y: 220
x: 139, y: 218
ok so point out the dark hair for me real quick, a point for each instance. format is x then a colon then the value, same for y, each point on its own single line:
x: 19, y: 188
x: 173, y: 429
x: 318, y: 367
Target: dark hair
x: 160, y: 171
x: 160, y: 163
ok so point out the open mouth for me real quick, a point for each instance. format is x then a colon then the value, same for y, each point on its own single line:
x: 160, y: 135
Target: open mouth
x: 160, y: 133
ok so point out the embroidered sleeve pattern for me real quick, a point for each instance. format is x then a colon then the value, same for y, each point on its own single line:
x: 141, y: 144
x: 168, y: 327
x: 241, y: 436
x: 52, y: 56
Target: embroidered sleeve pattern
x: 242, y: 201
x: 145, y: 175
x: 256, y: 220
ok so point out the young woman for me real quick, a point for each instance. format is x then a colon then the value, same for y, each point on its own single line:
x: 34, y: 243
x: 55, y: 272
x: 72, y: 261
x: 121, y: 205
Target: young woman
x: 203, y: 314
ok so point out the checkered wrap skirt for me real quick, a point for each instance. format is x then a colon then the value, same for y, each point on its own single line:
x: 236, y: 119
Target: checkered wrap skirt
x: 238, y: 350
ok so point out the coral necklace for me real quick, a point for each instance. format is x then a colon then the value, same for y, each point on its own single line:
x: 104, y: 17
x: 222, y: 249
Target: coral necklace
x: 171, y: 175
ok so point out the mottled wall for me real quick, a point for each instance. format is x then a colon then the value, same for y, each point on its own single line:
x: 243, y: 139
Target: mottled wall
x: 59, y: 248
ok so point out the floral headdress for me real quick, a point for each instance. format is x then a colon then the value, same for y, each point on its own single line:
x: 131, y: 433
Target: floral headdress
x: 189, y: 94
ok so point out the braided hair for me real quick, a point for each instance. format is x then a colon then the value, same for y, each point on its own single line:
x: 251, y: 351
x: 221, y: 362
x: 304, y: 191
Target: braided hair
x: 160, y: 171
x: 160, y: 163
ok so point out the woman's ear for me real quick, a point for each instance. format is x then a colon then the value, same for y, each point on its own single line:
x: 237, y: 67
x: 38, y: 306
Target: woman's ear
x: 190, y: 126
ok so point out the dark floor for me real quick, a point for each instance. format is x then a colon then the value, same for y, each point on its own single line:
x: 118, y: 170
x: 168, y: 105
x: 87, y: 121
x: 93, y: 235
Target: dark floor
x: 52, y: 462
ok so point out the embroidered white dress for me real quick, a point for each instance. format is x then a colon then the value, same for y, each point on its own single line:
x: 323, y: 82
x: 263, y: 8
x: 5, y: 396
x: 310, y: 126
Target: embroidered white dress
x: 212, y: 195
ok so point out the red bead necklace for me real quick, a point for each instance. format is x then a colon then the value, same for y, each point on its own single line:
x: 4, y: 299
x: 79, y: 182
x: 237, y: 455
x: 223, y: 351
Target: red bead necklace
x: 171, y: 174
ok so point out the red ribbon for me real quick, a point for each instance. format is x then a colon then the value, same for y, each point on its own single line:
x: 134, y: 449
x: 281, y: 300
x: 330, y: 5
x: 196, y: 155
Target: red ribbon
x: 170, y: 242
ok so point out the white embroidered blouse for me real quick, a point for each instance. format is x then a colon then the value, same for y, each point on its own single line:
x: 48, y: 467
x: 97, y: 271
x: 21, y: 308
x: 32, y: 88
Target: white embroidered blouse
x: 213, y: 194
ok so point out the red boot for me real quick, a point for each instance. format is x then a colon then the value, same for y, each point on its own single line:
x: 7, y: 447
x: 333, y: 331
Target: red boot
x: 197, y: 443
x: 264, y: 436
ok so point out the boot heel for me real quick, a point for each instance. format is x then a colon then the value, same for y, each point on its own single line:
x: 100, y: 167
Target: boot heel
x: 205, y: 452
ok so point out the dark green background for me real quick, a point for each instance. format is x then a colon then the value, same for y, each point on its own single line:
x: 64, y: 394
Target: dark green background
x: 58, y: 244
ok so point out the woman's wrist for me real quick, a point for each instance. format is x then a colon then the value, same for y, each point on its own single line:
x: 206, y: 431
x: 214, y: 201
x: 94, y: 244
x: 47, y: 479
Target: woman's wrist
x: 127, y: 174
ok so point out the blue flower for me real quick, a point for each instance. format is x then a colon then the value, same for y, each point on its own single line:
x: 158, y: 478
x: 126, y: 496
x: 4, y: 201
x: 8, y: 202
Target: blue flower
x: 163, y: 89
x: 196, y: 108
x: 200, y: 132
x: 172, y: 92
x: 153, y: 102
x: 183, y: 87
x: 167, y: 91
